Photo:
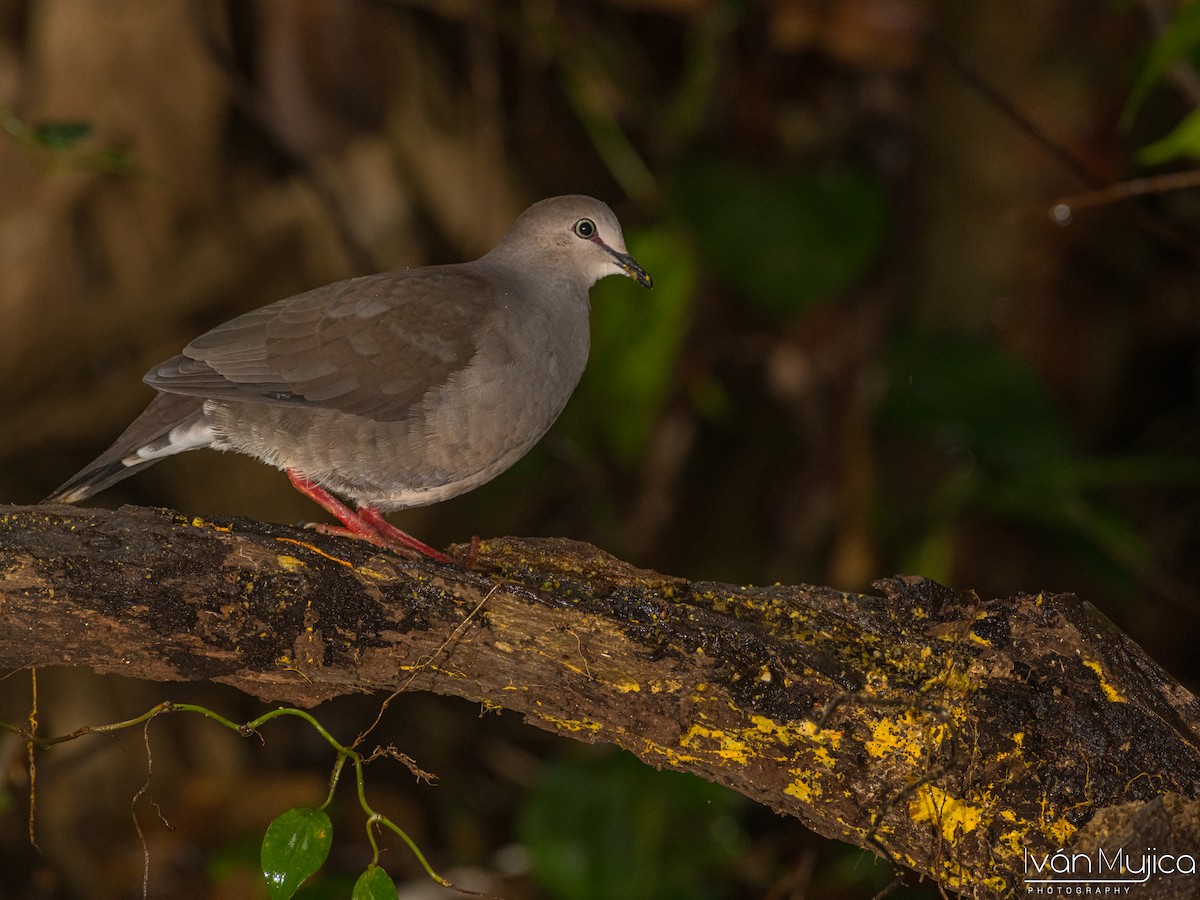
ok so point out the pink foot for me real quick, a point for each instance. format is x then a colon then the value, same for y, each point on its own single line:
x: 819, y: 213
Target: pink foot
x: 366, y: 524
x: 390, y: 532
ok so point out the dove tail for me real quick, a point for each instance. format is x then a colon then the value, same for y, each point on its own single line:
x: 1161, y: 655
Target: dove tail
x: 171, y: 424
x: 92, y: 480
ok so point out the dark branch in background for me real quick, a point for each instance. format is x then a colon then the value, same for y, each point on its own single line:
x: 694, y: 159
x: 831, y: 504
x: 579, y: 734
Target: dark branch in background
x: 1011, y: 111
x: 1101, y: 188
x: 949, y: 733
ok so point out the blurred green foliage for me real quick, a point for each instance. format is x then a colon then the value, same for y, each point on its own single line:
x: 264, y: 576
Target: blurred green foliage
x: 64, y: 144
x: 963, y: 392
x: 615, y: 829
x: 1179, y: 41
x: 636, y: 340
x: 785, y: 242
x: 53, y: 135
x: 1007, y: 452
x: 1182, y: 142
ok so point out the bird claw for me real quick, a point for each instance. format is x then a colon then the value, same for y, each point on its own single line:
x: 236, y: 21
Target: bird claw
x: 379, y: 540
x: 368, y: 524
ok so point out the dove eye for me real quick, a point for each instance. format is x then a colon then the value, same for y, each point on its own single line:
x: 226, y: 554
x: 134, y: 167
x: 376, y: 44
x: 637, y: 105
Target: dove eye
x: 585, y: 228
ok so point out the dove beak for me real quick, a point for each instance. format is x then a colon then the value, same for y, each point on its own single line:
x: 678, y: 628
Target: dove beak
x: 630, y: 267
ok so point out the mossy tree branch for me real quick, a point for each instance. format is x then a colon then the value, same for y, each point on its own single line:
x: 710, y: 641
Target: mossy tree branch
x: 950, y: 733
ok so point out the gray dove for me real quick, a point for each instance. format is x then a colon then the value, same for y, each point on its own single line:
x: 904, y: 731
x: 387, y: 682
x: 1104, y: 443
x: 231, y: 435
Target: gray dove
x: 394, y: 390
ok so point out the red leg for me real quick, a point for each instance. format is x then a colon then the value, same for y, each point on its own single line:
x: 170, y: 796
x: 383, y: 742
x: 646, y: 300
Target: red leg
x: 331, y: 504
x: 367, y: 524
x: 392, y: 534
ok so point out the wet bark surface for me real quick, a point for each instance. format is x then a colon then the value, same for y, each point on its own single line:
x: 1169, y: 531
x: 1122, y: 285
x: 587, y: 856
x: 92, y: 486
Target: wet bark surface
x: 955, y: 735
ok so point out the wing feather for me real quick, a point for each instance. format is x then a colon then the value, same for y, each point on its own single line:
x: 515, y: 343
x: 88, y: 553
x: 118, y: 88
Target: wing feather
x: 371, y: 346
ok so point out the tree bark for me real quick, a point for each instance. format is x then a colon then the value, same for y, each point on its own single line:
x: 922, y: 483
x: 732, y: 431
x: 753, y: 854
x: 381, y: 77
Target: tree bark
x: 960, y: 737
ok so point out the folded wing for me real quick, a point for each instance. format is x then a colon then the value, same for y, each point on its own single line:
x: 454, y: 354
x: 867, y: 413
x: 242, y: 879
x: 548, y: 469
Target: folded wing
x: 371, y: 346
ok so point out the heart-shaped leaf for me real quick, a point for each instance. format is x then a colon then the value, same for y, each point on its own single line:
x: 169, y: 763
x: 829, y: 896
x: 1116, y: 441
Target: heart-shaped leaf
x: 374, y: 884
x: 295, y: 845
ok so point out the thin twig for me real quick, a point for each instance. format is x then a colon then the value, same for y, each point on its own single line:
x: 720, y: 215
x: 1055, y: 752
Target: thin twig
x: 1066, y: 206
x: 423, y: 664
x: 1153, y: 224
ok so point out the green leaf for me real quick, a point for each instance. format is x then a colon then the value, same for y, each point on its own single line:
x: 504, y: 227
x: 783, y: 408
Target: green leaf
x: 1182, y: 140
x: 294, y: 847
x: 61, y: 135
x: 787, y: 242
x: 1180, y: 38
x: 374, y: 884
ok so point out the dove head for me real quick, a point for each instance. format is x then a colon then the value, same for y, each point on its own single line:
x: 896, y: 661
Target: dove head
x: 574, y: 237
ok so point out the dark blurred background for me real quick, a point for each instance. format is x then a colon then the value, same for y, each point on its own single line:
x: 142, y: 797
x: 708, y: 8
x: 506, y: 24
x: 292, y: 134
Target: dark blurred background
x: 894, y: 329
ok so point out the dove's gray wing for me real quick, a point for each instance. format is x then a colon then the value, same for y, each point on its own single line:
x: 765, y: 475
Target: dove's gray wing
x: 371, y: 346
